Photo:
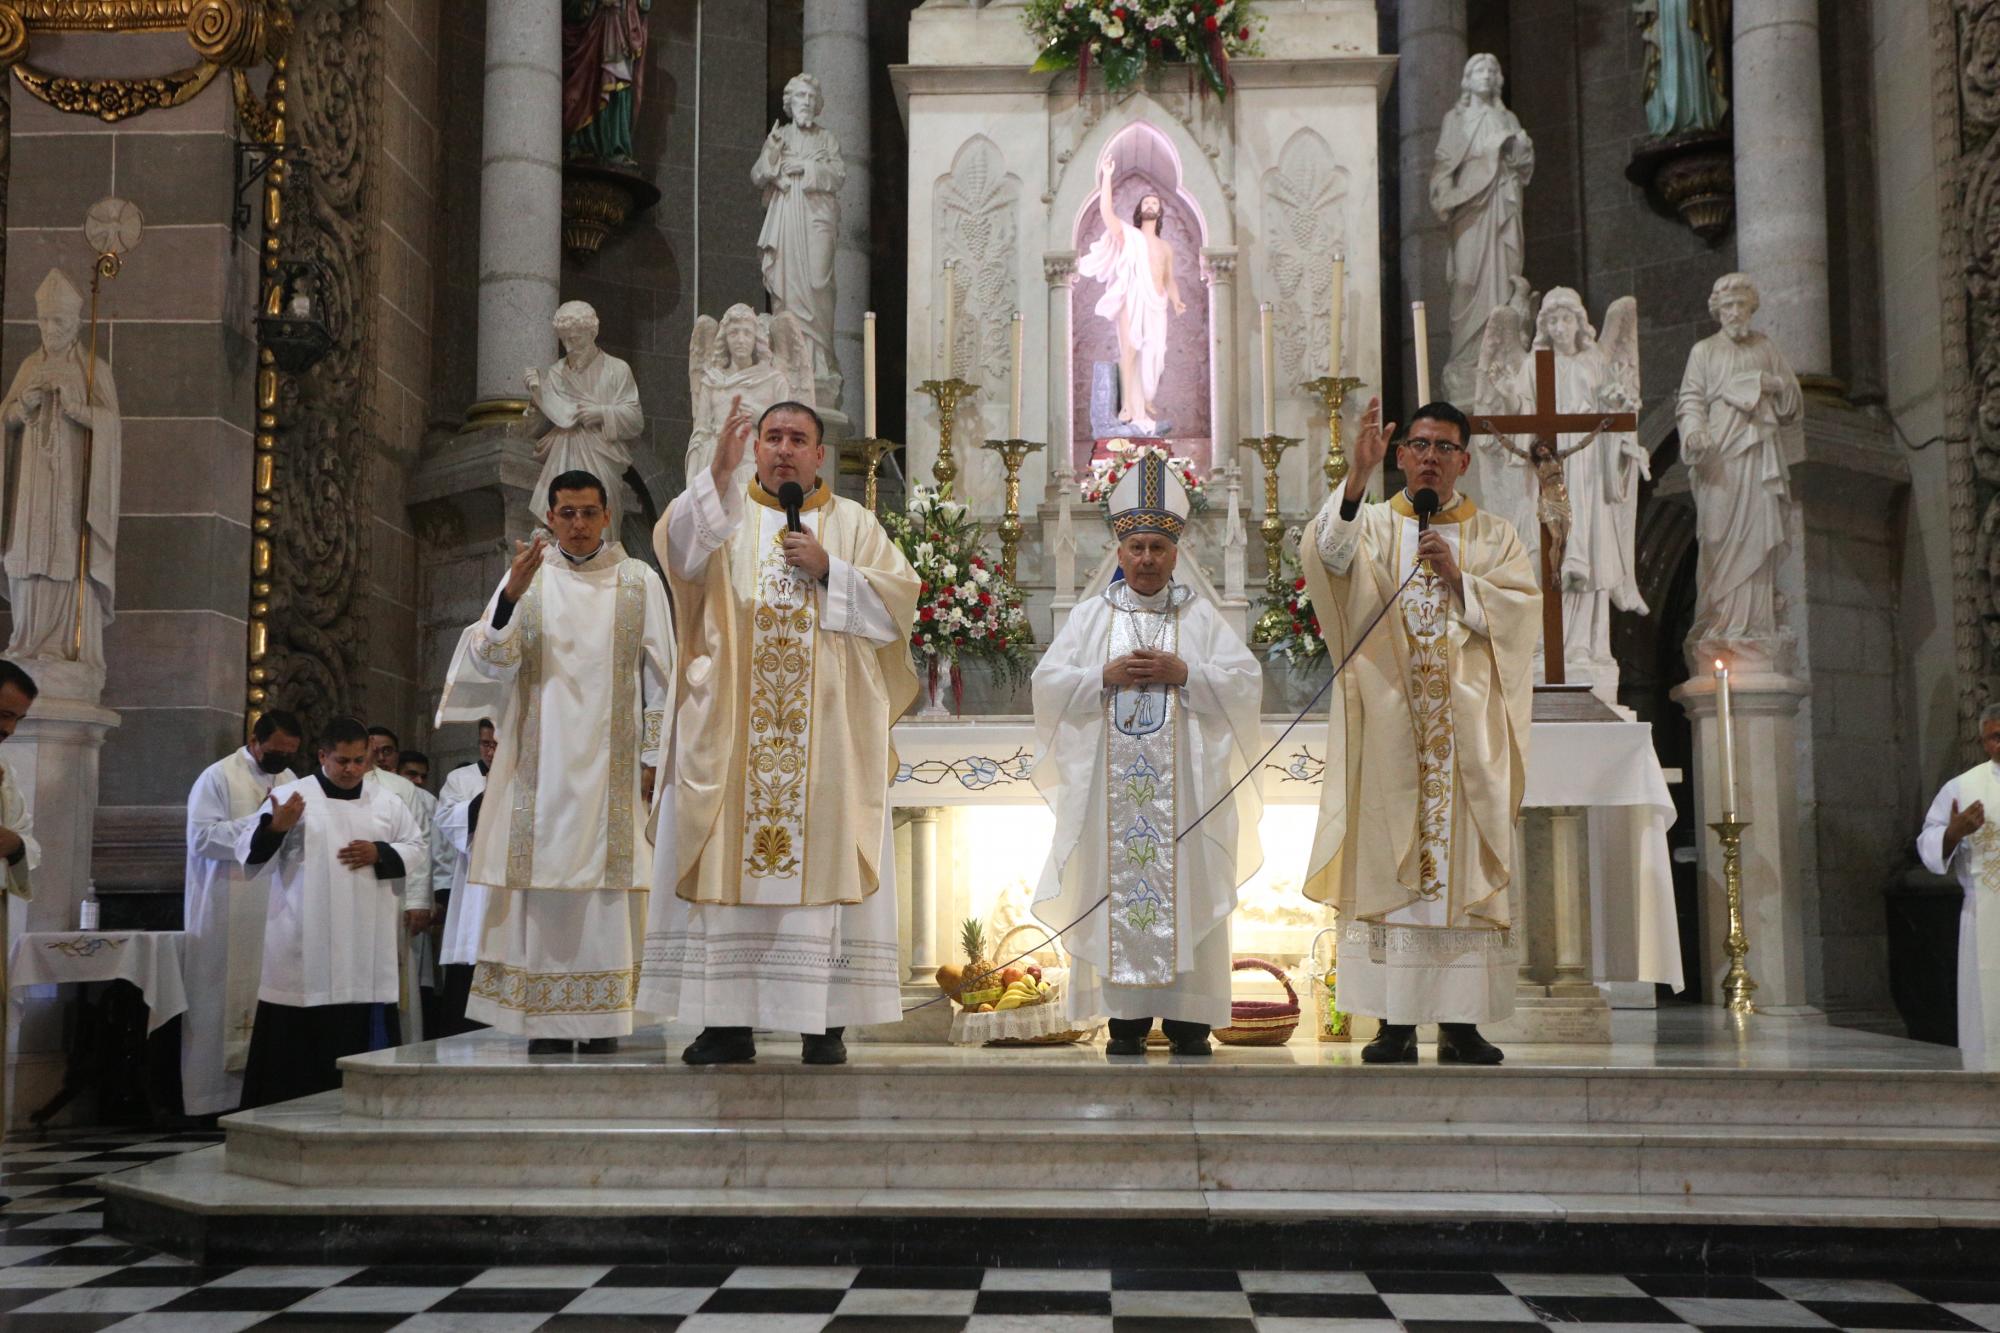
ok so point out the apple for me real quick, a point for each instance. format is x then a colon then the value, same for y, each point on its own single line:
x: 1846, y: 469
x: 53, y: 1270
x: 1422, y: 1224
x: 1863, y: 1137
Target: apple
x: 1011, y: 975
x: 1034, y: 970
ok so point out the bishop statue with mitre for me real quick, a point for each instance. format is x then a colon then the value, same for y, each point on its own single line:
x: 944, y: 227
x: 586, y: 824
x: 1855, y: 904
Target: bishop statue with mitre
x: 778, y: 908
x: 1146, y: 711
x: 1427, y: 739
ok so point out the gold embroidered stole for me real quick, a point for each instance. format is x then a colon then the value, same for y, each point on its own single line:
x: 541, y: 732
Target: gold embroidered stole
x: 777, y: 726
x: 1425, y: 606
x: 1141, y: 727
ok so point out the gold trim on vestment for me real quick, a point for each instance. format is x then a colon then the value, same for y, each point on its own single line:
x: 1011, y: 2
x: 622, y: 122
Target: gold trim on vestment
x: 1461, y: 508
x: 822, y: 496
x: 1424, y: 608
x: 528, y: 754
x: 778, y: 722
x: 547, y: 993
x: 628, y: 624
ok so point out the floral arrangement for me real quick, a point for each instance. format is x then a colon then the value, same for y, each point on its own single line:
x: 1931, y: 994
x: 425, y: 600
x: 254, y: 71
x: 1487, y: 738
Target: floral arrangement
x: 1298, y: 640
x: 1103, y: 477
x: 968, y: 609
x: 1124, y: 39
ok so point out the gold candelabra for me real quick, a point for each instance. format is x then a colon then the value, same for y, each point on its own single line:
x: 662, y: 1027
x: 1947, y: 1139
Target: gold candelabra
x: 946, y: 393
x: 1012, y: 454
x: 1269, y: 450
x: 1332, y: 391
x: 1737, y: 987
x: 871, y: 452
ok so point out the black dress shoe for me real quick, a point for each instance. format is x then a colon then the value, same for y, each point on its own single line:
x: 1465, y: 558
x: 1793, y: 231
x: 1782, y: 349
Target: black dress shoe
x: 599, y: 1046
x: 550, y: 1046
x: 1394, y: 1044
x: 1128, y: 1036
x: 1187, y: 1038
x: 823, y: 1048
x: 721, y: 1046
x: 1461, y: 1044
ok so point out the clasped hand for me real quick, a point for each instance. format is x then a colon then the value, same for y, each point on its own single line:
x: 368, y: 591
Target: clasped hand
x: 803, y: 551
x: 1146, y: 666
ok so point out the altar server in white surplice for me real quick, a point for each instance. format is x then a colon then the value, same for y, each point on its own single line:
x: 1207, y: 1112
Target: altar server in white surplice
x: 574, y: 659
x: 463, y: 904
x: 224, y: 909
x: 1146, y: 710
x: 332, y: 846
x: 779, y: 907
x: 1961, y: 837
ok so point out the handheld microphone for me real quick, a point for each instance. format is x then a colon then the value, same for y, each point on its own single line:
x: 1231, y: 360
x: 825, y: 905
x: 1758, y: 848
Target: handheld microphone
x: 1425, y: 502
x: 791, y: 495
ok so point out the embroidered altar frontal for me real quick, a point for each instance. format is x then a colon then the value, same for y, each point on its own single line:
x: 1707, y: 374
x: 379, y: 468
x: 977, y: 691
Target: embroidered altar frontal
x: 1142, y: 813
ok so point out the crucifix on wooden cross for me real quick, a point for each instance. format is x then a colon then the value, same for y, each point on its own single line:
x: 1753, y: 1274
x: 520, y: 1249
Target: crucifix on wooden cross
x: 1547, y: 425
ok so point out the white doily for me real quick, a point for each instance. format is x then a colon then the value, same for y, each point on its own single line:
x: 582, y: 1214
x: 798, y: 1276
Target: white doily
x: 1033, y: 1020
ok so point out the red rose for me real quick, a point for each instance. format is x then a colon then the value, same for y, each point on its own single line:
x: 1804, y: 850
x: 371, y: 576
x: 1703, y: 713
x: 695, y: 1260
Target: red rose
x: 1211, y: 23
x: 959, y: 640
x: 1299, y: 584
x: 928, y: 613
x: 1296, y: 627
x: 986, y: 599
x: 1119, y: 13
x: 1156, y: 43
x: 1242, y: 34
x: 923, y: 590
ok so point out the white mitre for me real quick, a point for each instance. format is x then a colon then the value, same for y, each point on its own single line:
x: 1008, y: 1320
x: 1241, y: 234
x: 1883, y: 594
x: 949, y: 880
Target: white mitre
x: 57, y: 296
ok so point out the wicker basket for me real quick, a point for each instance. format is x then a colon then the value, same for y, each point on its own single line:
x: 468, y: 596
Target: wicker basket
x: 1043, y: 949
x: 1261, y: 1022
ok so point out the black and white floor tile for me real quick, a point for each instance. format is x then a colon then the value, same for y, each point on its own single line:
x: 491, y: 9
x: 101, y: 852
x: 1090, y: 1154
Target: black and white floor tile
x: 60, y: 1273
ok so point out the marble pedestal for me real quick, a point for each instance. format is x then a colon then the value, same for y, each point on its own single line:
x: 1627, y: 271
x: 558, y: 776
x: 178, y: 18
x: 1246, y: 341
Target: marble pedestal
x: 53, y: 758
x: 1556, y: 1002
x: 1778, y: 902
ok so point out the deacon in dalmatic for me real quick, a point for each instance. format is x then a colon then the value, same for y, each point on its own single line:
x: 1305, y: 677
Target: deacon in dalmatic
x: 574, y: 659
x: 1146, y: 710
x: 224, y: 907
x: 778, y: 907
x: 333, y: 846
x: 1962, y: 837
x: 1427, y: 735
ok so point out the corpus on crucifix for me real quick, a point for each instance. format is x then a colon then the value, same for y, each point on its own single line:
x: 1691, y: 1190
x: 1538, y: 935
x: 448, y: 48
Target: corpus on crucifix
x: 1545, y: 425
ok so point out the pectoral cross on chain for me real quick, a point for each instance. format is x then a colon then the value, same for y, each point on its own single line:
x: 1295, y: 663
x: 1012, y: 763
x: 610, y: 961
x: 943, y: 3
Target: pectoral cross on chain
x: 1547, y: 426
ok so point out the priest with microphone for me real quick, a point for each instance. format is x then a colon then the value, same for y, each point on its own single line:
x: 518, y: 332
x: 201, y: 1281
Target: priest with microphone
x: 777, y: 908
x: 1427, y: 738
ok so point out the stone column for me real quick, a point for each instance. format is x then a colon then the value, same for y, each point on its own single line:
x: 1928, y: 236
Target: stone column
x: 1430, y: 61
x: 1219, y: 269
x: 1059, y: 275
x: 923, y: 897
x: 1781, y: 176
x: 520, y: 202
x: 836, y: 53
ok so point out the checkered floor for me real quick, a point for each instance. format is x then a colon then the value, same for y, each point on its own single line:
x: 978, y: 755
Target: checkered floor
x: 58, y: 1271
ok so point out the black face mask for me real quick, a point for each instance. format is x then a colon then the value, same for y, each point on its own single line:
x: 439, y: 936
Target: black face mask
x: 274, y: 763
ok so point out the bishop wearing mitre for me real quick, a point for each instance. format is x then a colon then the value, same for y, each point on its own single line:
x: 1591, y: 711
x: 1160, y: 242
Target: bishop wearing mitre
x: 778, y: 907
x: 1427, y: 736
x: 1146, y: 711
x: 573, y: 659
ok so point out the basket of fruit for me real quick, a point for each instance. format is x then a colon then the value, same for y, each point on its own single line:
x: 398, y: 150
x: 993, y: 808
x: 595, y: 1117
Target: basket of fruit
x: 1261, y: 1022
x: 1006, y: 1006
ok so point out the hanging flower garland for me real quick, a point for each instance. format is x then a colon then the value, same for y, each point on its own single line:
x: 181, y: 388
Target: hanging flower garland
x: 1097, y: 484
x: 968, y: 609
x: 1124, y: 39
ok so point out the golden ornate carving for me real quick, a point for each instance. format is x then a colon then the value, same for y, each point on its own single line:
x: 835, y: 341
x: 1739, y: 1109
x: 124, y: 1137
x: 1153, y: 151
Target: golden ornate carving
x: 13, y: 35
x: 115, y: 99
x: 223, y: 33
x: 103, y: 15
x: 226, y: 32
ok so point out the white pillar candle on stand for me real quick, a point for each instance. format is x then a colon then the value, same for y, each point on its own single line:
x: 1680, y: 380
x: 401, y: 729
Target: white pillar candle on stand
x: 1336, y: 314
x: 950, y: 318
x: 1014, y: 403
x: 1270, y: 378
x: 1726, y: 722
x: 1422, y: 324
x: 868, y: 375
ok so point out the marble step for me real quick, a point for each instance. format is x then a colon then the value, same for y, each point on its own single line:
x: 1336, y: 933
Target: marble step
x: 311, y: 1144
x: 929, y: 1085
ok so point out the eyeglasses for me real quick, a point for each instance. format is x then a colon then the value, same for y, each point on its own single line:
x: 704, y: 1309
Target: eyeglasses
x: 588, y: 515
x: 1442, y: 448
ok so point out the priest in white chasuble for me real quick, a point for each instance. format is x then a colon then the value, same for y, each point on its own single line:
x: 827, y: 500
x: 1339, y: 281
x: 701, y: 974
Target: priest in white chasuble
x: 1961, y: 837
x: 1146, y: 711
x: 778, y: 907
x: 224, y: 908
x: 1427, y: 737
x: 573, y: 658
x: 332, y: 846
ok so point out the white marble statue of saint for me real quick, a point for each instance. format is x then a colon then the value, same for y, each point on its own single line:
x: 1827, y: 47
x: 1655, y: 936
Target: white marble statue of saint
x: 1739, y: 413
x: 1478, y: 176
x: 744, y: 357
x: 1597, y: 569
x: 54, y: 411
x: 1136, y: 266
x: 585, y: 411
x: 800, y: 171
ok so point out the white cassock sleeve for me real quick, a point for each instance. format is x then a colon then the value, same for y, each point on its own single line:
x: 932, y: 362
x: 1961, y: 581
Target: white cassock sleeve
x: 407, y: 839
x: 851, y: 606
x: 211, y: 831
x: 454, y: 824
x: 291, y: 852
x: 1339, y: 538
x: 1930, y: 842
x: 700, y: 522
x: 16, y: 818
x: 441, y: 853
x: 1472, y: 612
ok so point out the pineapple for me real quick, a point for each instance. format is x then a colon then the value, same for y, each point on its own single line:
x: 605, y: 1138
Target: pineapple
x: 972, y: 939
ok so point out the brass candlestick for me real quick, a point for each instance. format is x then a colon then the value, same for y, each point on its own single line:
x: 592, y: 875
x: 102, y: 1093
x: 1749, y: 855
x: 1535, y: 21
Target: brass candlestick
x: 871, y: 458
x: 1269, y: 450
x: 1737, y: 987
x: 1332, y: 391
x: 946, y: 393
x: 1012, y: 454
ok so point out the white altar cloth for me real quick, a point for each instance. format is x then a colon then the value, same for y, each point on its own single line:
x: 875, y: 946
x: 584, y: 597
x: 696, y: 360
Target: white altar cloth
x: 149, y: 959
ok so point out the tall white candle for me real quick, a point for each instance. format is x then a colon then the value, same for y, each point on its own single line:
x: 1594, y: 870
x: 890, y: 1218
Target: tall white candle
x: 950, y: 318
x: 1423, y: 339
x: 1014, y: 403
x: 1336, y: 315
x: 868, y: 374
x: 1270, y: 374
x: 1726, y: 720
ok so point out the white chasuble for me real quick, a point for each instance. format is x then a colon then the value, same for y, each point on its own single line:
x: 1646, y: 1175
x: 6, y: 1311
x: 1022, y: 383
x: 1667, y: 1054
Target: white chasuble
x: 779, y: 914
x: 330, y: 932
x: 1128, y: 772
x: 223, y: 909
x: 1976, y: 863
x: 1427, y: 732
x: 583, y: 668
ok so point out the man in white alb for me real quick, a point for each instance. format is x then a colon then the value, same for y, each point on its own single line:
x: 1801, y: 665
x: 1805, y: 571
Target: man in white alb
x: 224, y: 912
x: 1961, y: 838
x: 463, y: 905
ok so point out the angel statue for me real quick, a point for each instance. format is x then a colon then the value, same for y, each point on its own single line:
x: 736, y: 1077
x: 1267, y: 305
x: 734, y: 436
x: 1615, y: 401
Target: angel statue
x: 1596, y: 563
x: 762, y: 359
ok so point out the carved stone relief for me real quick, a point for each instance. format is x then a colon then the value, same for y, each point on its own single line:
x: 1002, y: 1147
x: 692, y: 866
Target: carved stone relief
x: 1206, y: 119
x: 1305, y: 223
x: 975, y: 222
